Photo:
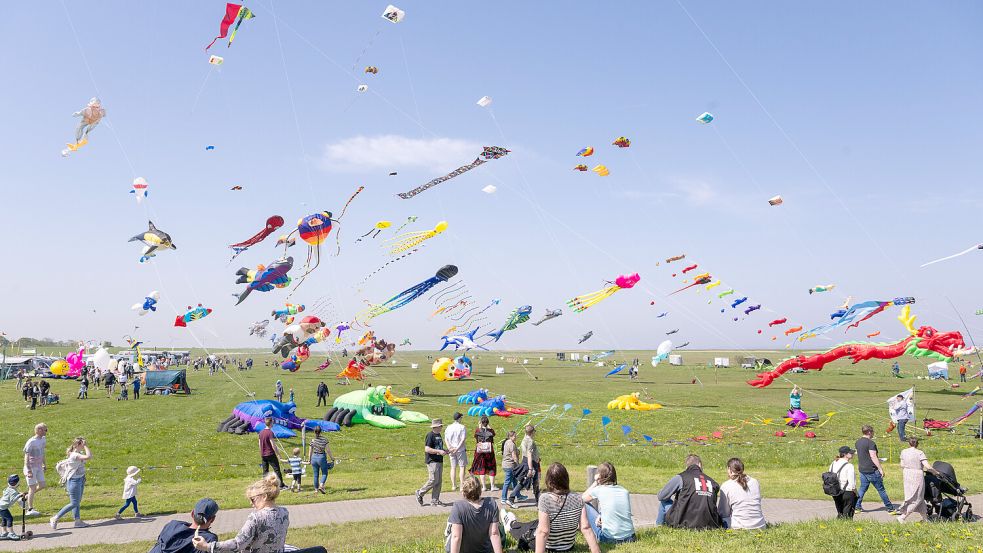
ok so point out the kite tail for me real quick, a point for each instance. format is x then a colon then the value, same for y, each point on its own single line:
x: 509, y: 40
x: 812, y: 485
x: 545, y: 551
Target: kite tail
x: 357, y: 192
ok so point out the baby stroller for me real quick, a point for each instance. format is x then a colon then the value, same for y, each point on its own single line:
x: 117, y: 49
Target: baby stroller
x: 946, y: 499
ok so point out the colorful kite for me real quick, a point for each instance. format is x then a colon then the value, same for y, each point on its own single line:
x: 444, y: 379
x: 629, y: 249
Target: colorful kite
x: 725, y: 293
x: 518, y: 316
x: 287, y: 312
x: 580, y: 167
x: 690, y: 268
x: 630, y: 402
x: 712, y: 285
x: 872, y: 334
x: 393, y: 14
x: 445, y: 273
x: 372, y: 69
x: 821, y: 288
x: 286, y: 241
x: 752, y: 308
x: 586, y: 152
x: 581, y: 303
x: 153, y: 240
x: 675, y: 258
x: 402, y: 242
x: 193, y: 314
x: 698, y: 280
x: 964, y: 252
x: 777, y: 322
x: 621, y: 142
x: 272, y: 223
x: 140, y: 187
x: 601, y: 170
x: 923, y: 342
x: 705, y: 118
x: 377, y: 229
x: 738, y: 301
x: 776, y: 200
x: 314, y: 230
x: 91, y: 115
x: 234, y: 13
x: 857, y: 314
x: 487, y: 154
x: 148, y: 304
x: 793, y: 330
x: 263, y: 278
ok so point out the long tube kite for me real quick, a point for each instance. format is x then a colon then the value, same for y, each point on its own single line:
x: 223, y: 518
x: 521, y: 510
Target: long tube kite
x: 487, y: 154
x: 234, y: 13
x: 409, y: 240
x: 964, y: 252
x: 923, y: 342
x: 581, y: 303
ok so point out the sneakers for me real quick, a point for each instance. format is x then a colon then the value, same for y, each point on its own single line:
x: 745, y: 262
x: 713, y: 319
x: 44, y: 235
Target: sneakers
x: 53, y: 522
x: 118, y: 516
x: 81, y: 524
x: 438, y: 503
x: 137, y: 515
x: 520, y: 497
x: 419, y: 498
x: 32, y: 513
x: 508, y: 504
x: 893, y: 511
x: 493, y: 488
x: 12, y: 536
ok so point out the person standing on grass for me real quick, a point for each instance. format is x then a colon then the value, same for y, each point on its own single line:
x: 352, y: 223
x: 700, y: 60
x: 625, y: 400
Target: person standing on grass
x: 795, y: 398
x: 455, y: 438
x: 901, y: 412
x: 322, y: 394
x: 278, y: 391
x: 74, y: 477
x: 914, y: 465
x: 484, y: 455
x: 45, y: 389
x: 530, y: 457
x: 136, y: 387
x: 473, y: 522
x: 434, y: 455
x: 689, y: 499
x: 962, y: 373
x: 740, y: 499
x: 267, y: 452
x: 846, y: 501
x: 317, y: 456
x: 35, y: 450
x: 510, y: 462
x: 871, y: 471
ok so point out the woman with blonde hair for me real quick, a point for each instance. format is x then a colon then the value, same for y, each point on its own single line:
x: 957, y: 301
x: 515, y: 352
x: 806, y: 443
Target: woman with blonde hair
x: 739, y: 502
x: 265, y: 530
x: 73, y: 474
x: 473, y: 522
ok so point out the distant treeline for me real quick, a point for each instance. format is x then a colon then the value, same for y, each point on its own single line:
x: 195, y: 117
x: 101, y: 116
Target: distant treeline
x: 42, y: 343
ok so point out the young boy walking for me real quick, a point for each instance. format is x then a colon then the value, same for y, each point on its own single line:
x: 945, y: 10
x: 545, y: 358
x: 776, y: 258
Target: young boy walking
x: 130, y: 492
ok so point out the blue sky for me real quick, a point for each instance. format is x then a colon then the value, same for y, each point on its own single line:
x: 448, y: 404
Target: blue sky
x: 864, y: 117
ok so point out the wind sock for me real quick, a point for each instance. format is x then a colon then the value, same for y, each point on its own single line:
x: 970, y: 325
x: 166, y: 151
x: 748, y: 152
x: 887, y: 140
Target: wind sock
x: 605, y: 421
x: 573, y: 429
x: 972, y: 393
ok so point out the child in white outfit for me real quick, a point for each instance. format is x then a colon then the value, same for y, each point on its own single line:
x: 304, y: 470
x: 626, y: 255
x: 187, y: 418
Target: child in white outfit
x: 130, y: 492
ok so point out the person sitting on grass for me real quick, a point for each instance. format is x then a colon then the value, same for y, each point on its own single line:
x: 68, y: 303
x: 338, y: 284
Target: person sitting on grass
x: 689, y: 499
x: 740, y: 499
x: 473, y: 522
x: 611, y: 520
x: 560, y: 514
x: 265, y: 530
x: 176, y: 535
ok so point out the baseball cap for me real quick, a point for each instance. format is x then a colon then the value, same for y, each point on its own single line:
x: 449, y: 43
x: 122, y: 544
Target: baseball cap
x: 846, y: 449
x: 206, y: 507
x: 457, y: 416
x: 12, y: 480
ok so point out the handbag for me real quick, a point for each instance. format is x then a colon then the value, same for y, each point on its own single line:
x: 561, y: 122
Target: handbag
x: 483, y: 447
x: 525, y: 534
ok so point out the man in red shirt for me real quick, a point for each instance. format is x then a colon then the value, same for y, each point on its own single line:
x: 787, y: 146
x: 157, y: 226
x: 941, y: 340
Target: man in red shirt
x: 267, y: 452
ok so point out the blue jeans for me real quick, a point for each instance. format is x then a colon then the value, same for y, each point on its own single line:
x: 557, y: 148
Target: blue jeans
x: 901, y: 425
x: 602, y: 536
x: 130, y: 501
x: 875, y: 479
x: 663, y: 509
x: 74, y: 487
x: 320, y: 464
x: 509, y: 482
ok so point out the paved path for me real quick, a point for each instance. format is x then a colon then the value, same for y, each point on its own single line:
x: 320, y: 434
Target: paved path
x: 644, y: 508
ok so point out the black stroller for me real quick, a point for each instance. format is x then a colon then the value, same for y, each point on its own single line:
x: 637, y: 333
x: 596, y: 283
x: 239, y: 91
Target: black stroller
x: 946, y: 499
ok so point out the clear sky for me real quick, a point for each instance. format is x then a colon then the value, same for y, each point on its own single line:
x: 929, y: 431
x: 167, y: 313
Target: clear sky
x: 865, y: 117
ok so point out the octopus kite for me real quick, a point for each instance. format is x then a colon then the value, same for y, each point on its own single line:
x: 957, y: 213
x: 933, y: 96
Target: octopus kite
x: 91, y: 115
x: 272, y: 224
x: 922, y: 342
x: 581, y: 303
x: 485, y: 404
x: 630, y: 402
x: 314, y: 230
x: 403, y: 242
x: 445, y: 273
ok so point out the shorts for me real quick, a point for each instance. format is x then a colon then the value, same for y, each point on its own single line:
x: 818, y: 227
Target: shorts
x: 297, y: 479
x: 37, y: 479
x: 6, y: 519
x: 459, y: 458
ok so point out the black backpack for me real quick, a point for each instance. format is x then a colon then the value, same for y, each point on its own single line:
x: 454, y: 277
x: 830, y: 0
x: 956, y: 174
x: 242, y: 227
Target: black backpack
x: 831, y: 481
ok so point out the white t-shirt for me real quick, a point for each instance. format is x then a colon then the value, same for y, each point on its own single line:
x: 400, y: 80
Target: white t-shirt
x: 455, y: 435
x: 76, y: 466
x: 34, y: 448
x: 848, y: 478
x: 743, y: 507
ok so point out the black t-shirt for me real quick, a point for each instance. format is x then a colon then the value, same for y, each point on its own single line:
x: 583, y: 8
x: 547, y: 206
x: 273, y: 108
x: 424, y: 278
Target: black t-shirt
x: 434, y: 441
x: 865, y: 445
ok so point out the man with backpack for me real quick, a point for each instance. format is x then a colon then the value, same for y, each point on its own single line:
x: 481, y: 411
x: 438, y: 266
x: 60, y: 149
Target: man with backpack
x: 840, y: 482
x: 692, y: 498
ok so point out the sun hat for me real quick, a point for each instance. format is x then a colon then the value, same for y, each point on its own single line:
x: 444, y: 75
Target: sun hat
x: 132, y: 471
x: 436, y: 423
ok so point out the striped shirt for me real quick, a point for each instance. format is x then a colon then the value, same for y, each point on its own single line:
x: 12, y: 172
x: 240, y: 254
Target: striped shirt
x: 318, y: 445
x: 564, y: 522
x: 294, y: 465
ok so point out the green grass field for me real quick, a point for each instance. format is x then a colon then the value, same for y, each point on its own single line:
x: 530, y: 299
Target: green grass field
x: 177, y: 434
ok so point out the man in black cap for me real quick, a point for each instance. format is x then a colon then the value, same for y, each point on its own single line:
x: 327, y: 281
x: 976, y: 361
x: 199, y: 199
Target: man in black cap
x: 176, y: 536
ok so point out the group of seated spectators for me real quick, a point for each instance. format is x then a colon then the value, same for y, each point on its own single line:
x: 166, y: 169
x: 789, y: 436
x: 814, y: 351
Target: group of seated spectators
x: 602, y: 513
